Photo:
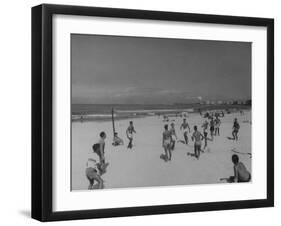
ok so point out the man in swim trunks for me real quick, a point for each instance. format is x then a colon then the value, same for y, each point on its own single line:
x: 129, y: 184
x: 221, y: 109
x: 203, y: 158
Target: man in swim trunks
x: 173, y: 136
x: 197, y: 137
x: 129, y: 132
x: 166, y: 142
x: 93, y: 175
x: 212, y: 127
x: 217, y: 126
x: 206, y: 138
x: 235, y: 129
x: 205, y: 126
x: 241, y: 174
x: 185, y: 128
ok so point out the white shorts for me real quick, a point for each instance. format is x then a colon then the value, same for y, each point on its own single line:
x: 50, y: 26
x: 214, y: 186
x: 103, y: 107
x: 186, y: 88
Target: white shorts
x: 167, y: 142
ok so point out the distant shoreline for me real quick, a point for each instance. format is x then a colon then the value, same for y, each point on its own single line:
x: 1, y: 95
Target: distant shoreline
x: 91, y: 115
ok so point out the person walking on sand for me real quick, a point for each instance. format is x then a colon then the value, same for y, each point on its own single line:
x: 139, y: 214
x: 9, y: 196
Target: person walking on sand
x: 197, y: 137
x: 129, y: 132
x: 185, y: 128
x: 235, y: 129
x: 217, y: 126
x: 173, y: 136
x: 206, y: 139
x: 212, y: 127
x: 99, y: 148
x: 93, y: 175
x: 205, y: 126
x: 166, y: 143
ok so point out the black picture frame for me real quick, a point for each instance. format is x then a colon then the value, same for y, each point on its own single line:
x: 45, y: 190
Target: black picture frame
x: 42, y: 111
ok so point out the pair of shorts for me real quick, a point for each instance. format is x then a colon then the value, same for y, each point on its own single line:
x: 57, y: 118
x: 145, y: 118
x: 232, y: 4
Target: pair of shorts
x: 197, y: 146
x: 212, y: 128
x: 167, y: 143
x: 96, y: 149
x: 91, y: 173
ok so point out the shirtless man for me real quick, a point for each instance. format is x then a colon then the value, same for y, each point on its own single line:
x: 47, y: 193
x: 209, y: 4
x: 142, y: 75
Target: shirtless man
x: 217, y: 126
x: 205, y: 126
x: 185, y: 128
x: 197, y: 137
x: 129, y: 132
x: 117, y: 140
x: 173, y: 136
x: 241, y: 174
x: 212, y: 127
x: 166, y: 142
x: 206, y: 138
x: 235, y: 129
x: 98, y: 148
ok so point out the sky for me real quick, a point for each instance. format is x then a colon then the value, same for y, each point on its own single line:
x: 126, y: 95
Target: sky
x: 143, y: 70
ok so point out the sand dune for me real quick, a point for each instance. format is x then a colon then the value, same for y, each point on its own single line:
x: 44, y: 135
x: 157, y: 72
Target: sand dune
x: 141, y: 166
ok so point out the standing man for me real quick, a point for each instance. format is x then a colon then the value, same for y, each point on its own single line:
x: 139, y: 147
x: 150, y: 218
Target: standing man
x: 212, y: 127
x: 197, y: 137
x: 173, y: 136
x: 166, y: 143
x: 129, y: 132
x: 185, y: 128
x: 217, y: 126
x: 205, y: 126
x: 235, y: 129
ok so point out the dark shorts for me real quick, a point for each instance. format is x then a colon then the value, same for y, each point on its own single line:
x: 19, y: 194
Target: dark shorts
x: 212, y: 128
x: 96, y: 149
x: 197, y: 146
x: 91, y: 173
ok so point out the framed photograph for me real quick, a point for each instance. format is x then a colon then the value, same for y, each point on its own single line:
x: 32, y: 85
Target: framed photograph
x: 146, y: 112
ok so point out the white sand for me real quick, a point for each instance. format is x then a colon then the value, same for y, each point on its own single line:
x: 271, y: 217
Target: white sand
x: 142, y: 166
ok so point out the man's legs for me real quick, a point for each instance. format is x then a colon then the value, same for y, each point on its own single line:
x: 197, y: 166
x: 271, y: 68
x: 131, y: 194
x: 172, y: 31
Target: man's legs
x: 169, y: 152
x: 91, y: 181
x: 130, y: 143
x: 185, y: 137
x: 195, y: 150
x: 99, y: 180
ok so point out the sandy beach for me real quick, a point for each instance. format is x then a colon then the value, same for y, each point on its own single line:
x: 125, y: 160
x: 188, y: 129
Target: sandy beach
x: 142, y: 166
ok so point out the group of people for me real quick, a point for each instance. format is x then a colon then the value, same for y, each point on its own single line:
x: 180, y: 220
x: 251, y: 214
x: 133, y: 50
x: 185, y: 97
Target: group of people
x: 95, y: 169
x: 169, y: 138
x: 129, y: 133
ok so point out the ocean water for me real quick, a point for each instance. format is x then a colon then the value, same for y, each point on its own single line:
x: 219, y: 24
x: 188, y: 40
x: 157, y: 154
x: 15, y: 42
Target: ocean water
x: 84, y: 112
x: 107, y: 108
